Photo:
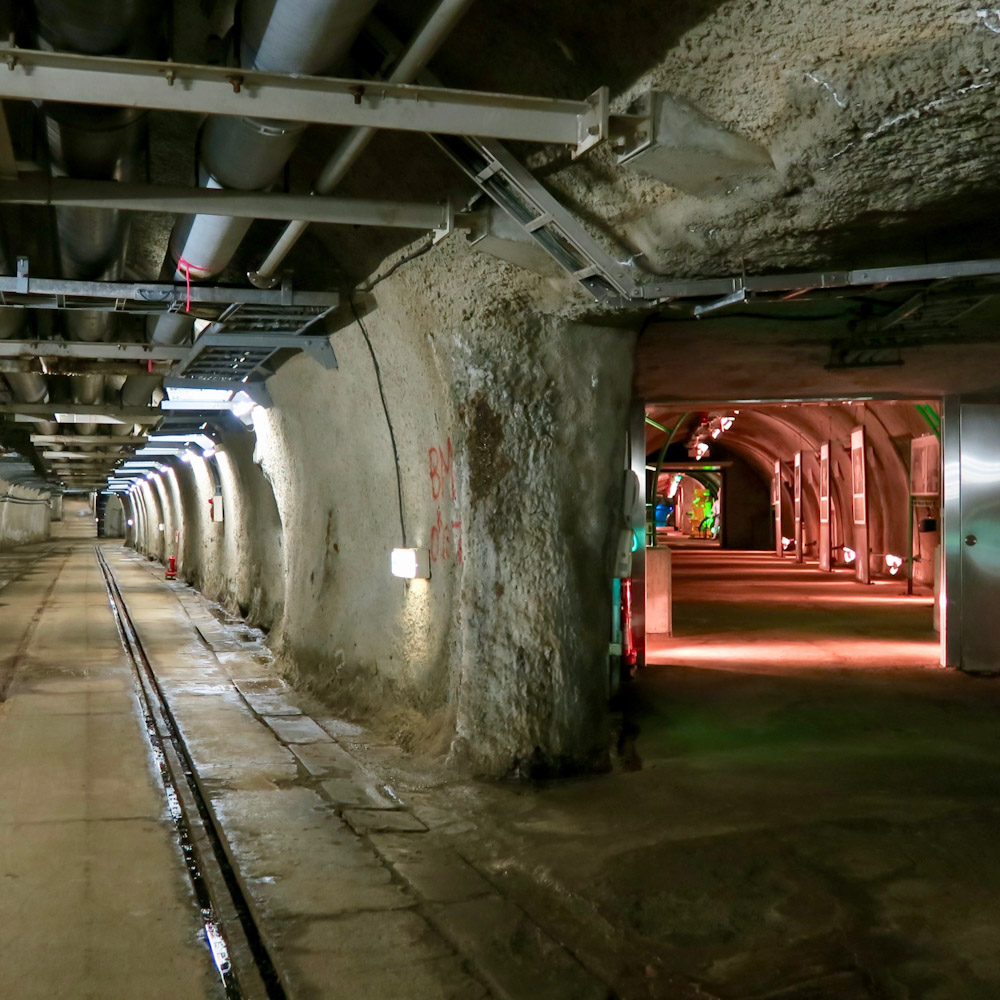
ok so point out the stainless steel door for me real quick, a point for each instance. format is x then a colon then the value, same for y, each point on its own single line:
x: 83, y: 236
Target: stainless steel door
x: 978, y: 540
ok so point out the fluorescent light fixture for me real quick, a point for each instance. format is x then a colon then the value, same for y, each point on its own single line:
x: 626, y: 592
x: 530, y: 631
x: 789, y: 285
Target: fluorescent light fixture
x: 410, y: 563
x: 195, y: 394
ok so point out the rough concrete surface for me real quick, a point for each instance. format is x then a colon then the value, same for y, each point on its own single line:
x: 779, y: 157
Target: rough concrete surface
x: 496, y: 419
x: 24, y: 515
x: 880, y: 119
x: 803, y: 810
x: 348, y: 902
x: 95, y: 900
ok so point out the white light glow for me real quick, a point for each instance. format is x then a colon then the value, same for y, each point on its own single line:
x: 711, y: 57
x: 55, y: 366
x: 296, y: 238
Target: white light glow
x: 196, y: 394
x: 130, y: 522
x: 701, y: 450
x: 893, y: 563
x: 243, y: 405
x: 849, y: 555
x: 410, y: 563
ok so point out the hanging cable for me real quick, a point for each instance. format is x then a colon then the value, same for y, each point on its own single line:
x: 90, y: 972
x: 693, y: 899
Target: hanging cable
x: 385, y: 408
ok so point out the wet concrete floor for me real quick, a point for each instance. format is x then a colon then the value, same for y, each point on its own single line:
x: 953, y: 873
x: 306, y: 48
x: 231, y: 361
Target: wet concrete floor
x: 802, y: 807
x: 94, y: 901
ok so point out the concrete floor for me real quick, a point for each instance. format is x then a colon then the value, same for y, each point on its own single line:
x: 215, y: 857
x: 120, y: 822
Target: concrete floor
x: 802, y: 807
x: 95, y: 900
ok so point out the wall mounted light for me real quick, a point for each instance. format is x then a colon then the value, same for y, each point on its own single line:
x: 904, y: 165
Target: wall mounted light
x: 849, y: 555
x: 893, y: 563
x: 410, y: 563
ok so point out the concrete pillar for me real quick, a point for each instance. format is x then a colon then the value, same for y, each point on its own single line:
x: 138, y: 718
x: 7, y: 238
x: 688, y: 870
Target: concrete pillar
x: 659, y: 592
x: 859, y: 505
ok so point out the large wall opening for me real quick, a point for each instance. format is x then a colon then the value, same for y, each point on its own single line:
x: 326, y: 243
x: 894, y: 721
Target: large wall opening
x: 802, y: 535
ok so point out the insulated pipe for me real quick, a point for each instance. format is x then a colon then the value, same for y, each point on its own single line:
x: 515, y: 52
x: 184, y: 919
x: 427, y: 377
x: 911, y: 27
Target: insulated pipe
x: 94, y: 143
x: 27, y: 387
x: 427, y: 41
x: 286, y: 36
x: 283, y: 36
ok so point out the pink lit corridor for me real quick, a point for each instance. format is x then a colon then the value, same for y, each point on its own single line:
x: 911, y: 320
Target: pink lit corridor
x: 754, y: 611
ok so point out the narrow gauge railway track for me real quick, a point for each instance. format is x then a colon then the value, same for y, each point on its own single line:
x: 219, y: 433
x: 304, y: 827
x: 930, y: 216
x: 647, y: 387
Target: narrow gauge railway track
x: 237, y: 946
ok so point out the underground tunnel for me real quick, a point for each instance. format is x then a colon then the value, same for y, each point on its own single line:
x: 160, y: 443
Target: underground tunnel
x: 499, y: 500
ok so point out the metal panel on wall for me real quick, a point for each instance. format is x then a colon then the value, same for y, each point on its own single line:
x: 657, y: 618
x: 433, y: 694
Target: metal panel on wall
x: 859, y: 504
x: 978, y: 538
x: 637, y: 462
x: 825, y: 536
x: 951, y: 533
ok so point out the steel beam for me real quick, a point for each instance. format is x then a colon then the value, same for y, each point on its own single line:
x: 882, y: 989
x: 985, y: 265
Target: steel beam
x: 105, y: 439
x: 94, y: 352
x: 218, y: 90
x: 16, y: 291
x: 79, y: 456
x: 43, y: 190
x: 860, y: 278
x: 125, y: 414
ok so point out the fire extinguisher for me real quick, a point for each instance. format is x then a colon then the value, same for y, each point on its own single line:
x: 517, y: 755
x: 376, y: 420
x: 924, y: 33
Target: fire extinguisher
x: 630, y: 655
x: 171, y: 571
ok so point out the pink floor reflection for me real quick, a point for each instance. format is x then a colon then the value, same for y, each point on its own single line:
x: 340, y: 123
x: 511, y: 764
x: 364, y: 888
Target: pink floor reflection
x: 754, y: 611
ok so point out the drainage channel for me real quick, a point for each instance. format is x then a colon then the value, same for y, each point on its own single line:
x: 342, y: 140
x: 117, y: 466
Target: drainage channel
x: 236, y: 944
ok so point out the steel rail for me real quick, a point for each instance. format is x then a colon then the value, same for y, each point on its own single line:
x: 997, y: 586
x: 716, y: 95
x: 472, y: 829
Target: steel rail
x: 230, y: 929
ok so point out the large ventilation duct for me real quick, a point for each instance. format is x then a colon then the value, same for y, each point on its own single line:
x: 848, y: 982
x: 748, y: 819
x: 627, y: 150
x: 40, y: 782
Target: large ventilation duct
x: 95, y: 144
x: 279, y: 36
x: 419, y: 52
x: 27, y: 387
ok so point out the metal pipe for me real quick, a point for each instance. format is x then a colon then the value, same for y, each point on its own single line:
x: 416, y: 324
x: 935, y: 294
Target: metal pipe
x: 288, y: 36
x: 26, y: 387
x: 94, y: 143
x: 87, y: 196
x: 421, y: 49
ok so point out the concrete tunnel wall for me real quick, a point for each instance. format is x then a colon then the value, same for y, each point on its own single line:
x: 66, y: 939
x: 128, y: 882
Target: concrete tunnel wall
x: 25, y: 515
x: 508, y: 431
